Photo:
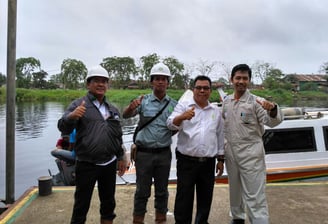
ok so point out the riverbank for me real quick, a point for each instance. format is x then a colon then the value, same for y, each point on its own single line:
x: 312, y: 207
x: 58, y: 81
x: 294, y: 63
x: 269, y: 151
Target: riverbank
x: 124, y: 96
x: 300, y: 203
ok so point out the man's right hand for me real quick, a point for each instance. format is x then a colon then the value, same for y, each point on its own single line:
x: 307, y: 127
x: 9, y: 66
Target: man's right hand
x: 135, y: 103
x: 187, y: 115
x: 78, y: 112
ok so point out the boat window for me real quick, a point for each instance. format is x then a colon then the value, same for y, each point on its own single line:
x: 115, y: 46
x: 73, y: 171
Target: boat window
x: 289, y: 140
x: 325, y: 133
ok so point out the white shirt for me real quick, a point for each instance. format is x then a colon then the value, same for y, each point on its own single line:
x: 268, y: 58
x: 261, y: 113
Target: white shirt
x: 202, y: 136
x: 105, y: 113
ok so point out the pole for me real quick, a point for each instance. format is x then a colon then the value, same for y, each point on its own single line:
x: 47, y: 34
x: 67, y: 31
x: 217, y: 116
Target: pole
x: 11, y: 102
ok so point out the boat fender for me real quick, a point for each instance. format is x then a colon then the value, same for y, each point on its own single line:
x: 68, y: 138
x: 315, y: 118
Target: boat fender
x: 292, y: 111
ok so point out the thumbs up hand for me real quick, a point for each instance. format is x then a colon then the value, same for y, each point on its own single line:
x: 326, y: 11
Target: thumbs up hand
x: 189, y: 114
x: 78, y: 112
x: 267, y: 105
x: 135, y: 103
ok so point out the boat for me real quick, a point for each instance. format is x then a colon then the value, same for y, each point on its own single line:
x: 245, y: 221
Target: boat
x: 296, y: 149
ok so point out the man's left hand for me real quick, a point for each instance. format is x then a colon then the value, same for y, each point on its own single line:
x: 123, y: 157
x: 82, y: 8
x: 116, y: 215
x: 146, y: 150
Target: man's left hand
x: 219, y: 168
x: 121, y: 167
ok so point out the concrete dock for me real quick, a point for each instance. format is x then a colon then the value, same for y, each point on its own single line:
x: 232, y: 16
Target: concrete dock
x: 304, y: 202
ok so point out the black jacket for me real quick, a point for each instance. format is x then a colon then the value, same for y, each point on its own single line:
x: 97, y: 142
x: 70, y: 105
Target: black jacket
x: 97, y: 140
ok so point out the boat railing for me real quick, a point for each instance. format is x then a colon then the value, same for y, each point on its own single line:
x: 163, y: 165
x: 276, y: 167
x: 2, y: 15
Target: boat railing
x: 299, y: 113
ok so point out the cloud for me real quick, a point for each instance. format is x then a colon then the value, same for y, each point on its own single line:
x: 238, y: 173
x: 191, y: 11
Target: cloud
x: 287, y: 33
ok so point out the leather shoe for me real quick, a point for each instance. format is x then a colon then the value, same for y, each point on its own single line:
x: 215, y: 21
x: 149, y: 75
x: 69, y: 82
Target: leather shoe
x: 237, y: 221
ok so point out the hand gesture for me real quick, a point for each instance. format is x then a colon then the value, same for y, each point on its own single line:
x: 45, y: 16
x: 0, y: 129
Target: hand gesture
x: 267, y: 105
x: 135, y: 103
x: 187, y: 115
x: 78, y: 112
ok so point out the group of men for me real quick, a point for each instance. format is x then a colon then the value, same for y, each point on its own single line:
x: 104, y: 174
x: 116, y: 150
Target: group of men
x: 208, y: 137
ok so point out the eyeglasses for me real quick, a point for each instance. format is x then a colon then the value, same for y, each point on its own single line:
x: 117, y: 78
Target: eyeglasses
x: 206, y: 88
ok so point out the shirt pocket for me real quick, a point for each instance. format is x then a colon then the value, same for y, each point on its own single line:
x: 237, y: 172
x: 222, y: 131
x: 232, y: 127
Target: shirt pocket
x: 247, y: 117
x: 150, y: 113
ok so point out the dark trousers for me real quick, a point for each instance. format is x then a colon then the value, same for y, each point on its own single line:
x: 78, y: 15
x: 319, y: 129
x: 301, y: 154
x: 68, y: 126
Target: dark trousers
x: 87, y: 175
x: 193, y: 175
x: 149, y: 167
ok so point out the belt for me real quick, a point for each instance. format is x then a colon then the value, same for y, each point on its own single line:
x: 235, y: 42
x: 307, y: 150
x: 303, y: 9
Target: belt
x: 153, y: 150
x: 193, y: 158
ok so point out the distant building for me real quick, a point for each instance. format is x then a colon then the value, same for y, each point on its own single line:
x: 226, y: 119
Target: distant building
x: 133, y: 85
x: 307, y: 82
x: 218, y: 85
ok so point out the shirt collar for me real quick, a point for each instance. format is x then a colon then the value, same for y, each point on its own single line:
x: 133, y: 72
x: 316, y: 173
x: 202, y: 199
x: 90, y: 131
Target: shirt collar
x: 92, y: 98
x: 154, y: 98
x: 243, y: 98
x: 192, y: 102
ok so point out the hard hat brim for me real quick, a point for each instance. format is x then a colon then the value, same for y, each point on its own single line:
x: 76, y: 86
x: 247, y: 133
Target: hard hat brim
x: 96, y: 75
x: 164, y: 74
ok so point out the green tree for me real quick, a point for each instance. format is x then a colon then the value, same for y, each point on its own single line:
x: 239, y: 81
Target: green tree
x: 324, y: 68
x: 56, y: 78
x: 273, y: 79
x: 25, y: 67
x: 39, y: 79
x: 179, y: 80
x: 120, y: 69
x: 51, y: 84
x: 3, y: 79
x: 261, y: 70
x: 147, y: 62
x: 73, y: 73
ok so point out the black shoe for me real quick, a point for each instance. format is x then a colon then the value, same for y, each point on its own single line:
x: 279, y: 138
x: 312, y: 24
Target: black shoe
x: 237, y: 221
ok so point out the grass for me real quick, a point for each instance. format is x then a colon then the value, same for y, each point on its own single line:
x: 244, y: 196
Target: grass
x: 125, y: 96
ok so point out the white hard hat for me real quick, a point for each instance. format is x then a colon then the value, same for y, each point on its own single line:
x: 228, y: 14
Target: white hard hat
x: 160, y: 69
x: 97, y: 71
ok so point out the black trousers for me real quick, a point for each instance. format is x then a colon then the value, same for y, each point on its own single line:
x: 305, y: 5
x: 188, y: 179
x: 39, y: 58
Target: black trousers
x: 152, y: 168
x: 194, y: 175
x: 87, y: 174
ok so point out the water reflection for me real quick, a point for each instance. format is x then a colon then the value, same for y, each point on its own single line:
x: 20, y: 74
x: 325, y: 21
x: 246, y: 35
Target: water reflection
x: 30, y: 120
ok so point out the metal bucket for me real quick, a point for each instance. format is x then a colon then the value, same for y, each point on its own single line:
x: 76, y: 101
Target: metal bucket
x: 45, y: 185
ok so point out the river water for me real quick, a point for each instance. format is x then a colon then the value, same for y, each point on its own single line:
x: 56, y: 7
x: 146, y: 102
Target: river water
x: 36, y: 136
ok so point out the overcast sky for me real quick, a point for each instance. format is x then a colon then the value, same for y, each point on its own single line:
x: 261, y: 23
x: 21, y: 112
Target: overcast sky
x: 290, y: 34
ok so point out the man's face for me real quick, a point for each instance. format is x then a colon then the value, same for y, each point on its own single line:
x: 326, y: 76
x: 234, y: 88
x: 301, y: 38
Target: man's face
x: 98, y: 86
x: 240, y: 81
x: 160, y: 83
x: 202, y: 91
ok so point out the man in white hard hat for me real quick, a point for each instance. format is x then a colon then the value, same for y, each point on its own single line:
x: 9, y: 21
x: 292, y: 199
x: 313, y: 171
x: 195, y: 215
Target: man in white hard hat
x: 153, y: 157
x: 98, y: 147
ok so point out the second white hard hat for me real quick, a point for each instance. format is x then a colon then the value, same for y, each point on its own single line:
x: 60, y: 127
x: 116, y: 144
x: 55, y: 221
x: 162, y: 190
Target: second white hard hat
x: 160, y: 69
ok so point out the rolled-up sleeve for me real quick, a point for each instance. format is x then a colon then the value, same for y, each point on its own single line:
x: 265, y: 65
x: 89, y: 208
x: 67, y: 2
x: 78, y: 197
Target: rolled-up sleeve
x: 178, y: 109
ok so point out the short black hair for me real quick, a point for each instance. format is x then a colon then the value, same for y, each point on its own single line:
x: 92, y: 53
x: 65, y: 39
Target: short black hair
x: 203, y: 77
x: 243, y: 68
